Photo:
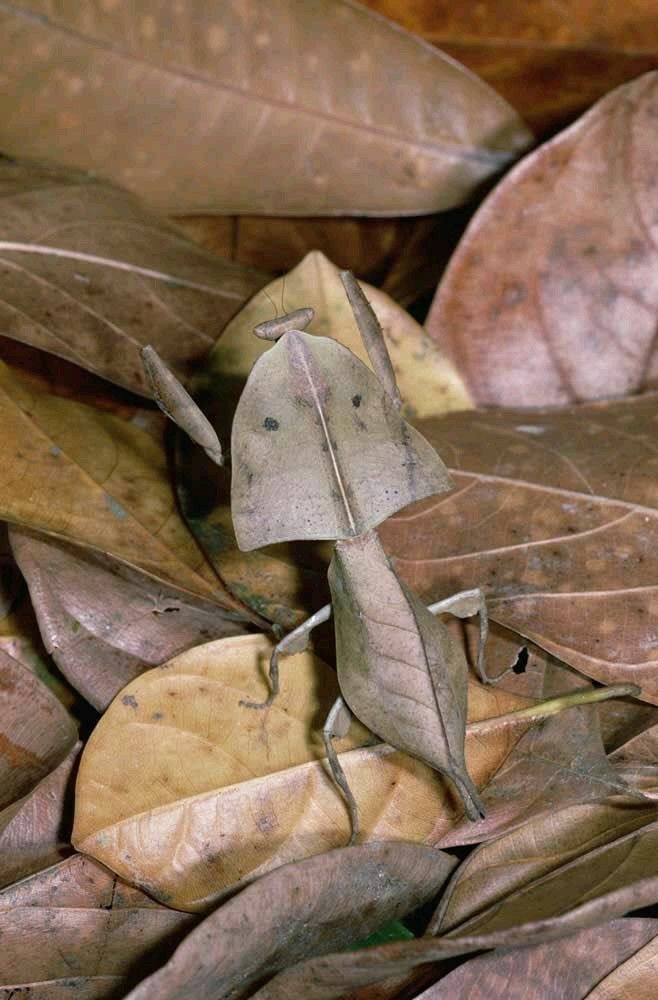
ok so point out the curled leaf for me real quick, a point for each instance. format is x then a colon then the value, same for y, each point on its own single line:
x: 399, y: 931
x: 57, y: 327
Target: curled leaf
x: 105, y: 622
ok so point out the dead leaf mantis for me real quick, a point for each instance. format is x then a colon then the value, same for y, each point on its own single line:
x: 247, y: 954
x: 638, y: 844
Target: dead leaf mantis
x: 320, y: 451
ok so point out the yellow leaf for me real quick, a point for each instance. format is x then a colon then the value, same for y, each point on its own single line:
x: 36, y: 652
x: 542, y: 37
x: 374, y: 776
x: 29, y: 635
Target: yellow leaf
x: 188, y: 794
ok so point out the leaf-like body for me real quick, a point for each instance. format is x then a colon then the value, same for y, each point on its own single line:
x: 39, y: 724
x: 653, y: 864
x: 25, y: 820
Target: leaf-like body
x: 319, y: 450
x: 399, y: 668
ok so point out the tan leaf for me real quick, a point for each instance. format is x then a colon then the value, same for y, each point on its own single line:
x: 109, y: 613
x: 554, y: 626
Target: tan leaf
x: 565, y: 968
x: 287, y: 583
x: 554, y: 516
x: 551, y: 296
x: 76, y: 930
x: 105, y: 622
x: 89, y: 275
x: 635, y: 979
x: 559, y: 762
x: 273, y: 107
x: 111, y: 482
x: 555, y: 861
x: 200, y: 794
x: 35, y: 831
x: 301, y: 909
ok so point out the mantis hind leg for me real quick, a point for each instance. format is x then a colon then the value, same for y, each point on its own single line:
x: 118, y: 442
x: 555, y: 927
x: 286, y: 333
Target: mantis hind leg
x: 295, y: 642
x: 337, y: 724
x: 465, y: 604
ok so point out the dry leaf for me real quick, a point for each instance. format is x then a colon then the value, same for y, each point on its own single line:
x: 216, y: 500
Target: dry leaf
x: 201, y: 794
x: 302, y: 909
x: 550, y: 61
x: 567, y: 968
x: 112, y: 487
x: 551, y: 296
x: 36, y: 731
x: 76, y: 930
x: 105, y: 622
x: 35, y: 832
x: 635, y: 979
x: 555, y: 763
x: 333, y: 976
x: 273, y: 107
x: 554, y: 516
x: 398, y: 255
x: 89, y: 275
x: 557, y: 860
x: 289, y: 582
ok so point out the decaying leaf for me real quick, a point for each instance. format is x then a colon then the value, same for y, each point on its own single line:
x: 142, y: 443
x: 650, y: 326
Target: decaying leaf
x: 549, y: 61
x: 555, y: 861
x: 569, y: 967
x: 35, y: 831
x: 200, y: 794
x: 554, y: 516
x: 113, y: 491
x: 308, y: 908
x: 88, y: 274
x: 288, y: 583
x: 77, y: 930
x: 560, y: 761
x: 36, y: 731
x: 331, y: 977
x: 243, y: 88
x: 635, y: 979
x: 552, y: 294
x: 105, y: 622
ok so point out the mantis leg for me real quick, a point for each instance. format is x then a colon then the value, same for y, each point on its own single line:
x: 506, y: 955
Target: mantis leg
x: 295, y: 642
x: 465, y: 604
x: 337, y: 724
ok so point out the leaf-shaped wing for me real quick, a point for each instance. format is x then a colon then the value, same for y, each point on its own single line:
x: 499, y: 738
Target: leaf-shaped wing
x: 319, y: 450
x: 399, y: 669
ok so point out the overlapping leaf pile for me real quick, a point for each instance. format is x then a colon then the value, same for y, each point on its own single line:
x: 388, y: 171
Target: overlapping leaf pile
x: 158, y: 838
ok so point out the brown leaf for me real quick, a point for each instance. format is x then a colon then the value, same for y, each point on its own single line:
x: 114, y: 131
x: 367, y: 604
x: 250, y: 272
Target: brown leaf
x: 111, y: 485
x: 105, y: 622
x: 302, y: 909
x: 552, y: 294
x: 35, y: 832
x: 558, y: 762
x: 565, y: 968
x: 89, y: 275
x: 76, y: 930
x: 549, y: 61
x: 642, y: 747
x: 332, y: 977
x: 554, y: 516
x: 273, y: 108
x: 36, y: 731
x: 635, y: 979
x: 288, y: 582
x: 555, y: 861
x: 398, y: 255
x: 253, y: 792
